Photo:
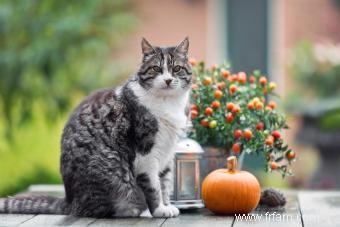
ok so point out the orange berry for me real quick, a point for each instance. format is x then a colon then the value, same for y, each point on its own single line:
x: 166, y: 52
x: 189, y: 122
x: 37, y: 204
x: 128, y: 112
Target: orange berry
x: 193, y: 114
x: 269, y: 141
x: 276, y: 134
x: 204, y: 122
x: 208, y: 111
x: 256, y: 100
x: 215, y: 104
x: 260, y: 126
x: 232, y: 89
x: 247, y: 134
x: 225, y: 73
x: 290, y: 155
x: 259, y: 105
x: 220, y: 85
x: 193, y: 61
x: 252, y: 79
x: 236, y: 109
x: 236, y: 148
x: 230, y: 106
x: 237, y: 134
x: 218, y: 94
x: 263, y: 80
x: 229, y: 118
x: 194, y: 107
x: 234, y: 77
x: 251, y: 105
x: 272, y: 104
x: 207, y: 81
x: 242, y: 77
x: 274, y: 165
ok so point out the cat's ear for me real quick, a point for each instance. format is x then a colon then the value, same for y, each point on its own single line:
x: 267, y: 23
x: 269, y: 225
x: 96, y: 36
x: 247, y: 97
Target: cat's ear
x: 147, y: 47
x: 183, y: 47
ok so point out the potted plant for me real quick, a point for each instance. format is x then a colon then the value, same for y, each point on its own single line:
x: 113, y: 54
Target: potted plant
x: 231, y: 113
x: 316, y: 99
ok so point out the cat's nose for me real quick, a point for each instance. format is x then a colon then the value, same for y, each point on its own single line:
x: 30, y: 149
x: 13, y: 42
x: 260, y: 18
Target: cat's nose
x: 168, y: 81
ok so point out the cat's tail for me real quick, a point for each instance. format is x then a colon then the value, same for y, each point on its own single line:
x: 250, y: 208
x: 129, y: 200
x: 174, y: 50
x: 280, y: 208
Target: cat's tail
x: 34, y: 205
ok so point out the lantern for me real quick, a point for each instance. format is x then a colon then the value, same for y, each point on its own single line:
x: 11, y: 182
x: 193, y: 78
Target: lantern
x: 187, y: 180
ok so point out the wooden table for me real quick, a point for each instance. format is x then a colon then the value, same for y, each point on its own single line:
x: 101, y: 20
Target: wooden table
x: 303, y: 208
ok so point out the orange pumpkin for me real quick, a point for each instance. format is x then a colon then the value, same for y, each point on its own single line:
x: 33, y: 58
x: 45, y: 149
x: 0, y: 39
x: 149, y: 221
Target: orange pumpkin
x: 230, y: 191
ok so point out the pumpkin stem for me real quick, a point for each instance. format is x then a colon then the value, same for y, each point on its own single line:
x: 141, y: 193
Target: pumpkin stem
x: 231, y: 163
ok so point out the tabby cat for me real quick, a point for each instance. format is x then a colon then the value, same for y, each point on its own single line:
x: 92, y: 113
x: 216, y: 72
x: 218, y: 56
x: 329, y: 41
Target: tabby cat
x: 116, y: 148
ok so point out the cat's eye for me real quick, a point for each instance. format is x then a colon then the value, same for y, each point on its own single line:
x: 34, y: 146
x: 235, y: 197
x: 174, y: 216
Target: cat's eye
x: 157, y: 69
x: 176, y: 69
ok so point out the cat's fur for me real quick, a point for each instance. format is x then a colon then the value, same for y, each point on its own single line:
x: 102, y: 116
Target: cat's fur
x: 117, y: 145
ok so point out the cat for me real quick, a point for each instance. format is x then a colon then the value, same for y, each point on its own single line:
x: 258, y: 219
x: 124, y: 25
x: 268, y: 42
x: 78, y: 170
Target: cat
x: 117, y: 146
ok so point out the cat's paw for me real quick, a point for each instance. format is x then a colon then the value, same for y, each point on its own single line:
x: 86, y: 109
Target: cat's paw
x: 174, y: 210
x: 168, y: 211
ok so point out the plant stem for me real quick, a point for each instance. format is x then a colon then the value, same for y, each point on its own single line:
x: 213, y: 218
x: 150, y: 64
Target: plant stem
x: 232, y: 163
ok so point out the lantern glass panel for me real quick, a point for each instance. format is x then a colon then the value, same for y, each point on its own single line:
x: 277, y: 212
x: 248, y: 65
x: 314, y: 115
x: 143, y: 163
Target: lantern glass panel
x: 187, y: 184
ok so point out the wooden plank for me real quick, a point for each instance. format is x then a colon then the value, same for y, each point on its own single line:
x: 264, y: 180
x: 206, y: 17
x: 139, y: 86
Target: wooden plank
x: 289, y: 215
x: 320, y: 208
x: 57, y: 220
x: 14, y: 219
x: 316, y: 208
x: 129, y: 222
x: 199, y: 217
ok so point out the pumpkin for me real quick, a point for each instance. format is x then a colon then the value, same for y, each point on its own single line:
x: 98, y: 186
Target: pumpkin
x: 230, y: 191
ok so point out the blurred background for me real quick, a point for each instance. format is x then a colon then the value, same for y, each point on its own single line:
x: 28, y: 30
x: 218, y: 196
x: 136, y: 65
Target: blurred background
x: 53, y: 53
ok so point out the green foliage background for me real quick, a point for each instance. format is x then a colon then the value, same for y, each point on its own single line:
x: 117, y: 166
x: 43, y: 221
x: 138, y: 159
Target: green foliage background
x: 52, y: 53
x: 320, y: 83
x: 318, y: 80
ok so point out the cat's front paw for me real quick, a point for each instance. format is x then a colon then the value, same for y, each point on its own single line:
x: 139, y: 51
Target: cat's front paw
x: 168, y: 211
x: 174, y: 209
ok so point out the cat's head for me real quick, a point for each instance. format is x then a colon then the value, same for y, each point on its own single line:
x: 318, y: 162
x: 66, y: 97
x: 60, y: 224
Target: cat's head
x: 165, y: 70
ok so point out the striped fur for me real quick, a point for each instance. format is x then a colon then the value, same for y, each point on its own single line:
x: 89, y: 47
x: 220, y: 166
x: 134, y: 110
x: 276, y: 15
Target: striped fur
x: 116, y: 148
x: 34, y: 205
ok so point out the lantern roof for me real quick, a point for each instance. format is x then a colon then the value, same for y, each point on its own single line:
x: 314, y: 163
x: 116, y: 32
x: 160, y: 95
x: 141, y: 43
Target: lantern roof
x: 188, y: 146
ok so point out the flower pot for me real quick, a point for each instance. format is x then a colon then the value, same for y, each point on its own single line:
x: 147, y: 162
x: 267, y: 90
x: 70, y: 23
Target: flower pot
x: 213, y: 158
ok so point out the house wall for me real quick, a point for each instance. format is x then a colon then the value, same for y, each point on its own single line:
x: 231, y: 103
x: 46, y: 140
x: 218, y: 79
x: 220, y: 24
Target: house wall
x: 166, y: 22
x: 318, y: 20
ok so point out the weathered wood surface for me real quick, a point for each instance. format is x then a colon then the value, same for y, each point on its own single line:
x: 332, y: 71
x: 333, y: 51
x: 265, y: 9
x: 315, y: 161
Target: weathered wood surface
x: 199, y: 218
x: 57, y: 220
x: 129, y: 222
x: 304, y: 208
x: 320, y: 208
x: 289, y: 215
x: 14, y: 219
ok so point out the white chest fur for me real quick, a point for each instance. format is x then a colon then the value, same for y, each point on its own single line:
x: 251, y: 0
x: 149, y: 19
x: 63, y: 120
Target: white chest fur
x: 169, y: 112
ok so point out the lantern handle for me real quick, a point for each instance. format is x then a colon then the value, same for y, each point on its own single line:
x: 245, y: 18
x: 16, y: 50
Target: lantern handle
x: 232, y: 163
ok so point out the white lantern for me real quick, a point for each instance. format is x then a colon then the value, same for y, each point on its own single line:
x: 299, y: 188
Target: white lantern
x: 187, y: 180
